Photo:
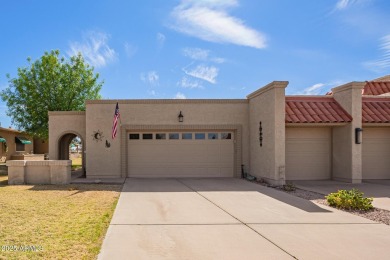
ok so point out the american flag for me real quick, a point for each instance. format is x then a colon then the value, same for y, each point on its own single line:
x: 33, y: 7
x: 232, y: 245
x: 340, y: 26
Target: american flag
x: 117, y: 116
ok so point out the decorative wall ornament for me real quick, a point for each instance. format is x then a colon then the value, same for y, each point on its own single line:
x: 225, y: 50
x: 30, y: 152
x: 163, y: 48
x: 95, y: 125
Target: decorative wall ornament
x: 261, y: 134
x: 108, y: 145
x: 97, y: 136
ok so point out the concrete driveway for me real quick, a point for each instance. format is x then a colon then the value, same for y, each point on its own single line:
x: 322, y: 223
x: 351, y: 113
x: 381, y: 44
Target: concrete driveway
x: 233, y: 219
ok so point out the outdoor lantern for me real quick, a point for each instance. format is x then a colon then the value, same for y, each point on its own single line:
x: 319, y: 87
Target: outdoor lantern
x: 358, y: 135
x: 181, y: 117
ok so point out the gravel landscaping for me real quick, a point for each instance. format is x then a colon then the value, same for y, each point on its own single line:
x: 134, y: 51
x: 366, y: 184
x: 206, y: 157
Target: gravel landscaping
x: 375, y: 214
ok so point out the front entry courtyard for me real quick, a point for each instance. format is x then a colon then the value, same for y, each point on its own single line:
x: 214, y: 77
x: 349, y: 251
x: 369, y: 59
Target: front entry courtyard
x: 228, y: 218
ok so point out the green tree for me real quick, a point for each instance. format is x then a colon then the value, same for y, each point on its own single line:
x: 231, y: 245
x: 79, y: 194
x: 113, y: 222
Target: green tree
x: 51, y: 83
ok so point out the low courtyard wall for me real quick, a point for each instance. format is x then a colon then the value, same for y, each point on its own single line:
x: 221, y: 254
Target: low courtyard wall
x: 39, y: 172
x: 28, y: 157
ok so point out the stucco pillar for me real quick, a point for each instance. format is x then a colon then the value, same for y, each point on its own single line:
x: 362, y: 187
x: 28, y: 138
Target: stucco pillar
x: 16, y: 173
x: 267, y: 159
x: 347, y: 155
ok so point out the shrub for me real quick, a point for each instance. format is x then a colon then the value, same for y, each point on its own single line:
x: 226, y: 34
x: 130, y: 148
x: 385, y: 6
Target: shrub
x: 289, y: 187
x: 349, y: 199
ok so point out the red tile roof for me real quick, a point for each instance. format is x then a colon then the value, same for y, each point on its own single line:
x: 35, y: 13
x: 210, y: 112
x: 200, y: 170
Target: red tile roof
x: 315, y: 110
x: 376, y: 88
x: 373, y: 88
x: 376, y: 110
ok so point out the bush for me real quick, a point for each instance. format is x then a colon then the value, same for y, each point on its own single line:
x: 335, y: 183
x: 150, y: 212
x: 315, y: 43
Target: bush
x: 349, y: 199
x: 289, y: 187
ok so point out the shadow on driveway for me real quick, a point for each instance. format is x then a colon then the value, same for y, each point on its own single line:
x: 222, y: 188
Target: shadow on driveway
x: 201, y: 185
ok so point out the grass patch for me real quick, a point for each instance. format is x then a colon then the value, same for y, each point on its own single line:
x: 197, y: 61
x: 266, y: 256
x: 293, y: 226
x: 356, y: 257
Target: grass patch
x: 68, y: 222
x: 76, y: 163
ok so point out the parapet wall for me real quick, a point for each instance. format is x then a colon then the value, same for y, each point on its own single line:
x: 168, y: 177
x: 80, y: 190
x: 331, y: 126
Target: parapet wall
x: 39, y: 172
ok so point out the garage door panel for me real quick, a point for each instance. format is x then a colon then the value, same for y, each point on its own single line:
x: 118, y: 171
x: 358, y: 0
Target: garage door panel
x: 180, y: 172
x: 181, y: 158
x: 308, y: 152
x: 309, y: 145
x: 376, y: 153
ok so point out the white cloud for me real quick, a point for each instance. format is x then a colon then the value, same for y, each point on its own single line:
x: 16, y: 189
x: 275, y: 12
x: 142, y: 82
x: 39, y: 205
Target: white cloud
x: 209, y: 20
x: 130, y: 49
x: 203, y: 72
x: 218, y: 60
x: 196, y: 53
x: 185, y: 82
x: 313, y: 90
x: 201, y: 54
x: 384, y: 62
x: 161, y: 39
x: 151, y: 77
x: 342, y: 4
x: 94, y: 49
x: 319, y: 88
x: 345, y: 4
x: 180, y: 96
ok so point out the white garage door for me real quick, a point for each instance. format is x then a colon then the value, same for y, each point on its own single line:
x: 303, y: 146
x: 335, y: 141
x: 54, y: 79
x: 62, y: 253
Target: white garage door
x: 308, y: 153
x: 181, y: 154
x: 376, y: 153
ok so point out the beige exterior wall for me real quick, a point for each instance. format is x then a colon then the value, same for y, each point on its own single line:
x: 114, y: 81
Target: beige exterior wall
x: 347, y: 156
x: 62, y: 123
x: 41, y: 146
x: 154, y: 115
x: 268, y: 106
x: 9, y: 136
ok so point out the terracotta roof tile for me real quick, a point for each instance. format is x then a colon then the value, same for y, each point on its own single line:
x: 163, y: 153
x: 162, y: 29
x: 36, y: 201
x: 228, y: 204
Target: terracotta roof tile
x: 374, y: 88
x: 376, y: 110
x: 315, y: 110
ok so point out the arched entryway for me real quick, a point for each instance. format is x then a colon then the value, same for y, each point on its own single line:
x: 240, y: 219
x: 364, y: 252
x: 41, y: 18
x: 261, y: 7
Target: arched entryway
x: 71, y: 146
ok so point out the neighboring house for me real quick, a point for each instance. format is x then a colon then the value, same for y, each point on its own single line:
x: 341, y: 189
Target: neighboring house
x: 275, y: 137
x: 14, y: 142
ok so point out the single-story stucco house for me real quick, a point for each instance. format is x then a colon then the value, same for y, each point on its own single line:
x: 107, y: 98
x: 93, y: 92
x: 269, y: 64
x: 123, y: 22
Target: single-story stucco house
x: 18, y: 145
x: 14, y: 143
x: 344, y: 135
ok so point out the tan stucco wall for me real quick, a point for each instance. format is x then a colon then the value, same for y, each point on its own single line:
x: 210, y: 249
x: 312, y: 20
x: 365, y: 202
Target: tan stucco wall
x: 347, y: 156
x: 41, y: 146
x: 152, y: 114
x: 39, y: 172
x: 10, y: 138
x: 268, y: 106
x: 61, y: 123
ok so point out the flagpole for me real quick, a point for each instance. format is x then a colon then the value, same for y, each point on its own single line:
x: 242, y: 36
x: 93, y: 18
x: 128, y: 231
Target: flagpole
x: 120, y: 120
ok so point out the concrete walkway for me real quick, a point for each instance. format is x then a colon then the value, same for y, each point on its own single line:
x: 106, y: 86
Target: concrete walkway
x: 233, y: 219
x: 379, y: 190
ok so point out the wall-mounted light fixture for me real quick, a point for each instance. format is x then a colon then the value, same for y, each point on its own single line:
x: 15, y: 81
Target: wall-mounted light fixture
x: 358, y: 135
x: 181, y: 117
x: 260, y: 134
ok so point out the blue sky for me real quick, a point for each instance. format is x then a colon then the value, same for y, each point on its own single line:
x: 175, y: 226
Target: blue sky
x: 203, y: 48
